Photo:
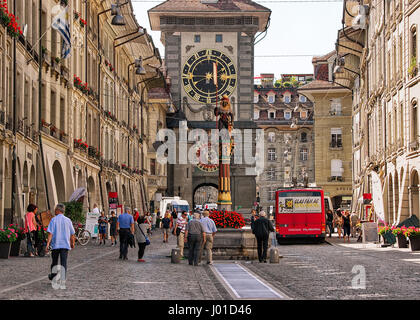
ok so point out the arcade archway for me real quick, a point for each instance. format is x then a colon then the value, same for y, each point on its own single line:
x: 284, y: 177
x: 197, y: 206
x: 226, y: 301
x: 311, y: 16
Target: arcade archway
x: 205, y: 193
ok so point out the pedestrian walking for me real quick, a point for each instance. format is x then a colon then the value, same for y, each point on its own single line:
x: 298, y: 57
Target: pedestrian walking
x: 113, y: 228
x: 346, y: 225
x: 330, y: 221
x: 338, y: 222
x: 61, y: 239
x: 261, y: 229
x: 195, y: 235
x: 136, y: 214
x: 354, y: 220
x: 180, y: 232
x: 148, y: 220
x: 125, y: 226
x: 210, y: 231
x: 166, y: 225
x: 30, y: 229
x: 254, y: 216
x: 174, y: 216
x: 153, y: 217
x: 140, y: 229
x: 103, y: 224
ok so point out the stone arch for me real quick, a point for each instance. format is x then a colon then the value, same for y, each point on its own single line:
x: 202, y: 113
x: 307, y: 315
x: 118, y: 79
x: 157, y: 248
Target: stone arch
x: 32, y: 185
x: 205, y: 192
x: 414, y: 193
x: 60, y: 188
x: 396, y: 197
x: 124, y: 195
x: 91, y: 189
x: 25, y: 184
x: 390, y: 206
x: 80, y: 178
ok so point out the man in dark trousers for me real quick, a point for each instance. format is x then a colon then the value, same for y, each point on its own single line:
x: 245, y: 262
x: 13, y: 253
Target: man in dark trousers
x: 261, y: 228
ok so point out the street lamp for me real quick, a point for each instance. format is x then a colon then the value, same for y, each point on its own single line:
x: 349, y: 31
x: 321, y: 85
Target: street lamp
x: 118, y: 19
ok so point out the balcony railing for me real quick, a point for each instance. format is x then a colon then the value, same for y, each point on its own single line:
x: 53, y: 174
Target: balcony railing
x: 335, y: 178
x: 334, y: 144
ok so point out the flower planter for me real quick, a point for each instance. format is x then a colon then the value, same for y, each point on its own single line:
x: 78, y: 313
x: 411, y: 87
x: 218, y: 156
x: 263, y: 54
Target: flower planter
x: 402, y: 241
x: 415, y: 243
x: 4, y: 250
x: 15, y: 248
x: 389, y: 238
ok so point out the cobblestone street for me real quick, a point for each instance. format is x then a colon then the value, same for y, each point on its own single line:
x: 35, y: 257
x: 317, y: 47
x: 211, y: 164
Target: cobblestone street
x: 305, y: 272
x: 95, y: 272
x: 324, y: 271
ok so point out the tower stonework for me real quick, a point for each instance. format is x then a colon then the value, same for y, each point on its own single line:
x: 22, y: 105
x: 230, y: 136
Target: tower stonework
x: 199, y: 36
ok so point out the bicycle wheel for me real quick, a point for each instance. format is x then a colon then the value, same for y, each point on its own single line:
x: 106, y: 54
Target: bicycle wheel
x: 84, y: 237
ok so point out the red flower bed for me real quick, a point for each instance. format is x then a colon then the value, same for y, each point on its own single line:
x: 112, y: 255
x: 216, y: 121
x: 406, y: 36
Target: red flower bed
x: 227, y: 219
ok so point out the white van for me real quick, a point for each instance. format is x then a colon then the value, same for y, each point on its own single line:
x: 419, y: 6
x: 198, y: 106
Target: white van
x: 169, y: 203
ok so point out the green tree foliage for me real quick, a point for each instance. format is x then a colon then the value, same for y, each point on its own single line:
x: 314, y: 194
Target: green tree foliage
x: 74, y: 211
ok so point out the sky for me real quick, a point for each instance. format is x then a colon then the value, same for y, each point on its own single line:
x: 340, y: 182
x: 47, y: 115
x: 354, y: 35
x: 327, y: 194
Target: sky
x: 297, y: 27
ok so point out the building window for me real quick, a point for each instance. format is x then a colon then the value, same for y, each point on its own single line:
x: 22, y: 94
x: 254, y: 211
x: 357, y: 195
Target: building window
x: 303, y: 137
x: 271, y: 154
x: 302, y: 98
x: 287, y: 115
x: 271, y: 115
x: 197, y: 38
x: 287, y: 99
x: 271, y: 137
x: 335, y: 107
x: 303, y: 114
x: 303, y: 154
x: 271, y: 193
x: 336, y: 168
x: 414, y: 123
x: 271, y: 98
x: 271, y: 174
x: 153, y: 167
x: 256, y: 114
x: 219, y: 38
x: 336, y: 138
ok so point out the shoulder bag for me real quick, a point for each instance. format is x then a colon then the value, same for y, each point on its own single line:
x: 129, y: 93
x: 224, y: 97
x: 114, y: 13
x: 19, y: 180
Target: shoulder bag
x: 147, y: 239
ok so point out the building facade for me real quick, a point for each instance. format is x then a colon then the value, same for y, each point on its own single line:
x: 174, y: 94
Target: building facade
x: 80, y: 121
x: 288, y: 120
x: 204, y: 34
x: 379, y: 62
x: 332, y: 132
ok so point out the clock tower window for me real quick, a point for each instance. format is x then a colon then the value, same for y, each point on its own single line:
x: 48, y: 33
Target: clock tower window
x: 197, y: 38
x: 219, y: 38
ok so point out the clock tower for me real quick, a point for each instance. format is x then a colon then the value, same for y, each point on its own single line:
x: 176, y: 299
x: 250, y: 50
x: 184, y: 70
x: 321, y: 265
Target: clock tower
x: 209, y: 53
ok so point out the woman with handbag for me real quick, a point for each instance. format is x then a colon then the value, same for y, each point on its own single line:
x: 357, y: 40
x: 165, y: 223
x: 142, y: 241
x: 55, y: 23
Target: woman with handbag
x: 140, y: 229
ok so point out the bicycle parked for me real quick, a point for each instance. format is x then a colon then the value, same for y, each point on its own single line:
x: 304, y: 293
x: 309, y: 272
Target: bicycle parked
x: 82, y: 235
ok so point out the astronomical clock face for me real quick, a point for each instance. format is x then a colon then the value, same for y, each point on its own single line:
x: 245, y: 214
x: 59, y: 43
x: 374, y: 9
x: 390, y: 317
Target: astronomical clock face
x: 198, y: 76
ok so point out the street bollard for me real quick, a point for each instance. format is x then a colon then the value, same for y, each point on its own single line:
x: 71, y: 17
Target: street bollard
x: 274, y: 255
x: 175, y: 256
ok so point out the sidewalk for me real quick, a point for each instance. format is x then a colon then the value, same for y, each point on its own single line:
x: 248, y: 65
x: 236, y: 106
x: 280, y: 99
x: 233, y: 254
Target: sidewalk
x: 376, y: 247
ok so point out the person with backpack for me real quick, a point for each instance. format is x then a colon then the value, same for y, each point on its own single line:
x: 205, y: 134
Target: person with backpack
x: 261, y: 229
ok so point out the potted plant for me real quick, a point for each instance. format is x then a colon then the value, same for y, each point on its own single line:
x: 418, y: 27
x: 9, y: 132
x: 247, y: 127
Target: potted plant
x: 401, y: 238
x: 6, y: 238
x: 387, y: 235
x: 42, y: 236
x: 413, y: 234
x: 15, y: 246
